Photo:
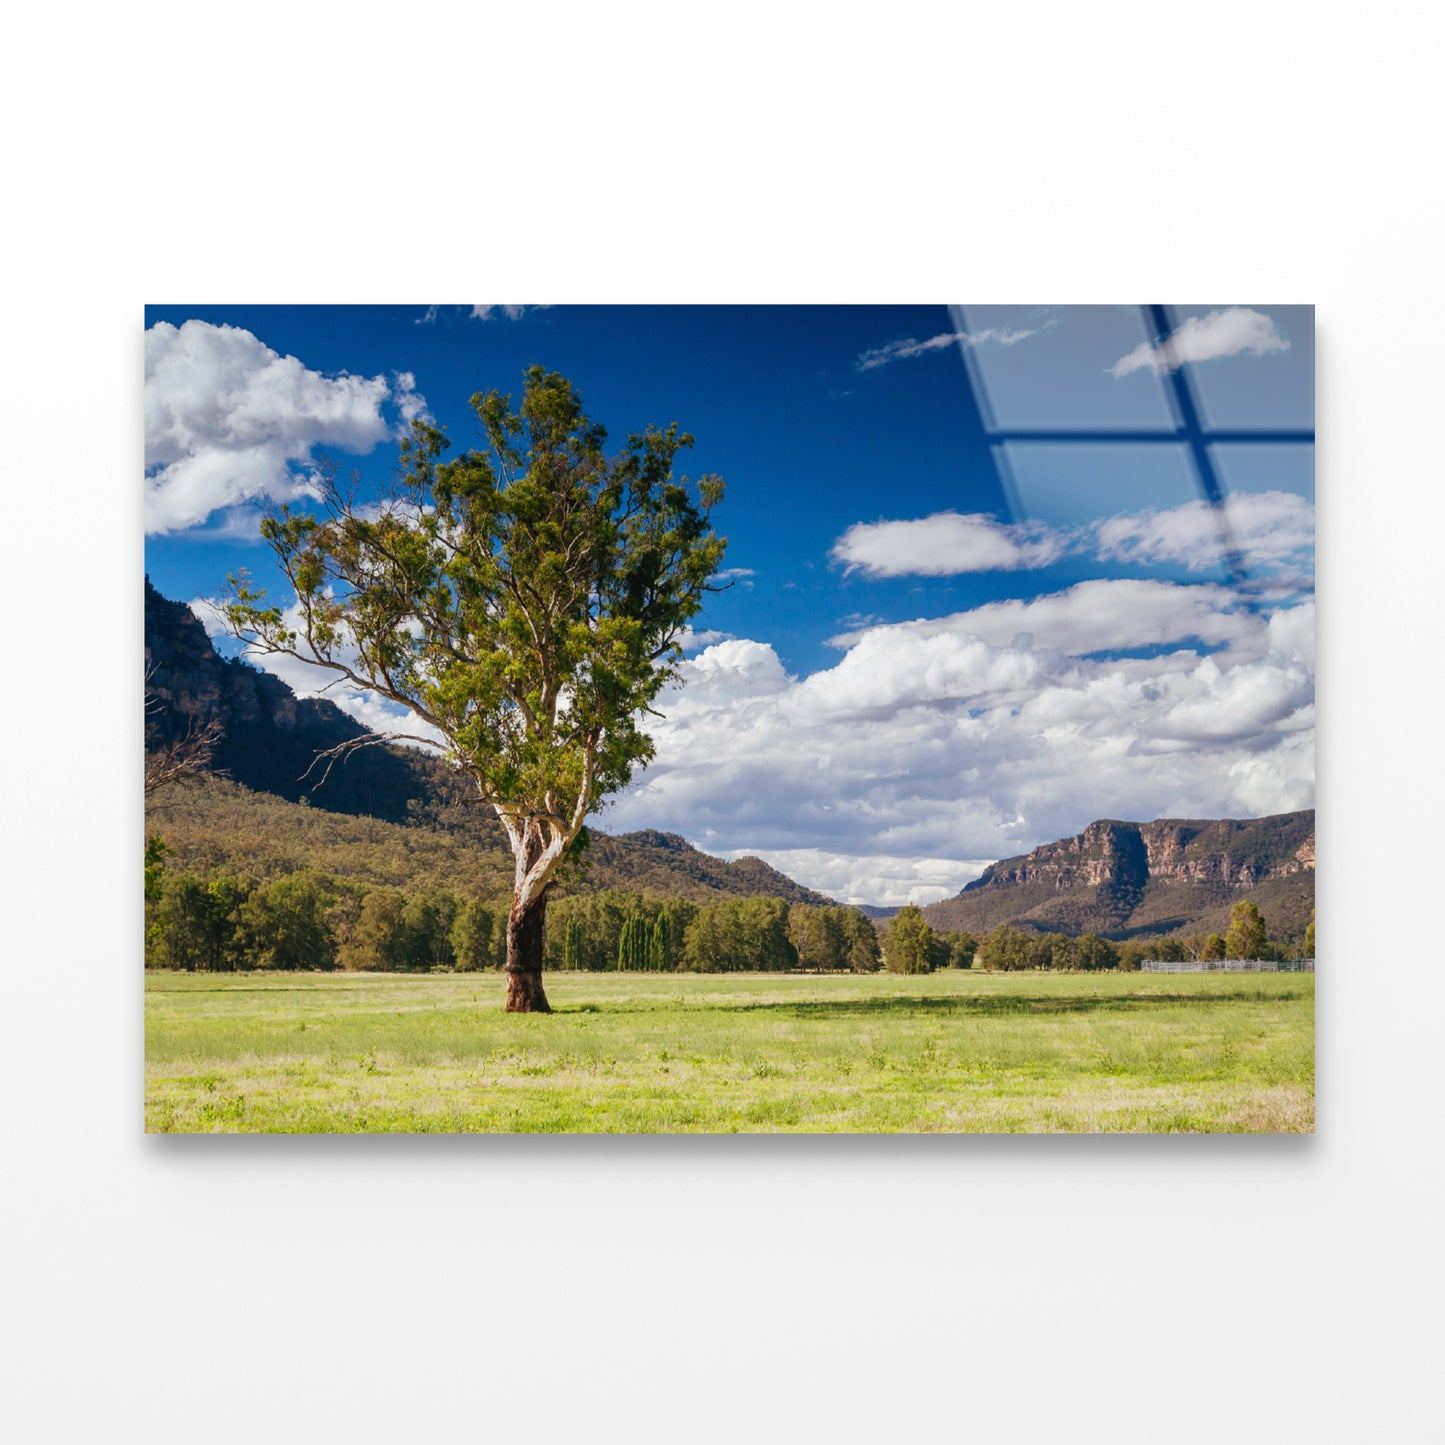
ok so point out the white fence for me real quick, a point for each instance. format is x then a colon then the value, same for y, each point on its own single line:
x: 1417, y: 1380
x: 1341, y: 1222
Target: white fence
x: 1229, y: 965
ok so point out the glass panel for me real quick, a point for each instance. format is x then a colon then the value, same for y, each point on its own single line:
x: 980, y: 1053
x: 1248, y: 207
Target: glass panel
x: 1250, y: 368
x: 1266, y: 467
x: 1071, y: 483
x: 1039, y: 369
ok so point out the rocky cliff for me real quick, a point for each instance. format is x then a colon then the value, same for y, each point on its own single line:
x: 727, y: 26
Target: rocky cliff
x: 269, y: 737
x: 1123, y: 878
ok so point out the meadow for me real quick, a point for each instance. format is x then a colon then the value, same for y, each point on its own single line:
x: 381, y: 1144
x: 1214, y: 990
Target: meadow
x: 635, y: 1053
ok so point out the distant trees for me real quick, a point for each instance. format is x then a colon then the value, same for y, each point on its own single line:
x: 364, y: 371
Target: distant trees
x: 198, y: 922
x: 1010, y: 949
x: 910, y: 945
x: 309, y: 920
x: 962, y: 948
x: 1005, y: 948
x: 1309, y: 942
x: 284, y: 923
x: 377, y: 940
x: 634, y: 945
x: 865, y: 954
x: 834, y: 938
x: 476, y: 937
x: 739, y: 934
x: 1247, y: 937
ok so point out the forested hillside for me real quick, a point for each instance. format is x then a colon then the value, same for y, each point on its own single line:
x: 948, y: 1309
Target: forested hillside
x: 212, y: 823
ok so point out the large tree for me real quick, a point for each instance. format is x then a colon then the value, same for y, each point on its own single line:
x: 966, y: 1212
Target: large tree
x: 527, y: 600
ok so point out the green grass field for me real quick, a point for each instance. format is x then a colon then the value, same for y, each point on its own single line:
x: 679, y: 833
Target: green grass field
x: 634, y: 1053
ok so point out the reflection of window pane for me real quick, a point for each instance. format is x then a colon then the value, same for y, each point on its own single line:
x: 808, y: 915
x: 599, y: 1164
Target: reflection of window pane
x: 1048, y: 368
x: 1266, y: 467
x: 1273, y: 390
x: 1068, y: 483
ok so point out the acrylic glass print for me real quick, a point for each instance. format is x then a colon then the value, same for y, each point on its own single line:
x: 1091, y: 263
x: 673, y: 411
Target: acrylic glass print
x: 716, y: 719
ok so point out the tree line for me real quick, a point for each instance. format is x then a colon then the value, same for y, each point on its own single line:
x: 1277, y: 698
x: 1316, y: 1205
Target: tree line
x: 307, y: 919
x: 910, y: 945
x: 310, y: 920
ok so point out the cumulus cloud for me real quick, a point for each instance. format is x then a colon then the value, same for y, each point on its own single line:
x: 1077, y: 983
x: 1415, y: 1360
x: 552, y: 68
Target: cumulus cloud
x: 873, y: 877
x: 974, y: 737
x: 1101, y: 615
x: 1230, y: 332
x: 228, y: 421
x: 691, y: 641
x: 1271, y: 529
x: 909, y: 347
x: 945, y: 544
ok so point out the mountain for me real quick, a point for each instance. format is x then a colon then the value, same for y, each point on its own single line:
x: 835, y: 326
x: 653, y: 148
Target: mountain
x: 386, y: 816
x: 1122, y: 879
x: 270, y: 737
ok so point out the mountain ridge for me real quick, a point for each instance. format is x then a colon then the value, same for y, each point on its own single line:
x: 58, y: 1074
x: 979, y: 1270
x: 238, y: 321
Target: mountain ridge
x: 268, y: 747
x: 1123, y: 878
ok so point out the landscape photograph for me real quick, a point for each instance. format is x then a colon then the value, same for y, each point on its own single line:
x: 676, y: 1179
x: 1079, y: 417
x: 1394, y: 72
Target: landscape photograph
x: 729, y: 719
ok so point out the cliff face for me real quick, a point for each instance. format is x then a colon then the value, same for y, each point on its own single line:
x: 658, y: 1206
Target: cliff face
x: 1120, y: 878
x: 270, y: 738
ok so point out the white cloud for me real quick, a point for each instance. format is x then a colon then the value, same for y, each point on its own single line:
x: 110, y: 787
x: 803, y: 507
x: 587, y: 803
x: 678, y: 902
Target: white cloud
x: 1103, y: 614
x: 909, y: 347
x: 938, y: 744
x: 872, y: 877
x: 945, y: 544
x: 512, y: 313
x: 734, y: 574
x: 1271, y: 529
x: 1228, y: 332
x: 432, y: 314
x: 695, y: 641
x: 229, y: 421
x: 409, y: 401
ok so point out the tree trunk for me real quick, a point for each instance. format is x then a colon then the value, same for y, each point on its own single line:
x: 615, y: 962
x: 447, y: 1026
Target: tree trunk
x: 524, y: 958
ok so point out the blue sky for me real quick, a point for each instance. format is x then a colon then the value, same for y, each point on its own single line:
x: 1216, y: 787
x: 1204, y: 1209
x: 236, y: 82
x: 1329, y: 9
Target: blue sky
x: 980, y: 595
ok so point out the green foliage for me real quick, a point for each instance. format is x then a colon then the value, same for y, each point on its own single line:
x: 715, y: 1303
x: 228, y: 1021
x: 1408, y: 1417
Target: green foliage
x: 552, y: 584
x: 378, y: 937
x: 659, y: 944
x: 477, y: 941
x: 961, y: 949
x: 833, y: 938
x: 1309, y: 941
x: 910, y: 945
x: 1247, y: 937
x: 634, y: 944
x: 1090, y: 953
x: 1005, y: 948
x: 197, y: 922
x: 284, y: 923
x: 157, y: 851
x: 865, y: 953
x: 743, y: 933
x: 427, y: 922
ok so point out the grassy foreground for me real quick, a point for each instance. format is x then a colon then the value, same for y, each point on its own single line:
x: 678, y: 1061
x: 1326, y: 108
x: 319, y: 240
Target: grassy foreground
x: 374, y: 1053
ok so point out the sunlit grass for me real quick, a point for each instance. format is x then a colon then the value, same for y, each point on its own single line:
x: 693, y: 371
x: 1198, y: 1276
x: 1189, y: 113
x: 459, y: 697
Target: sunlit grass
x: 726, y: 1053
